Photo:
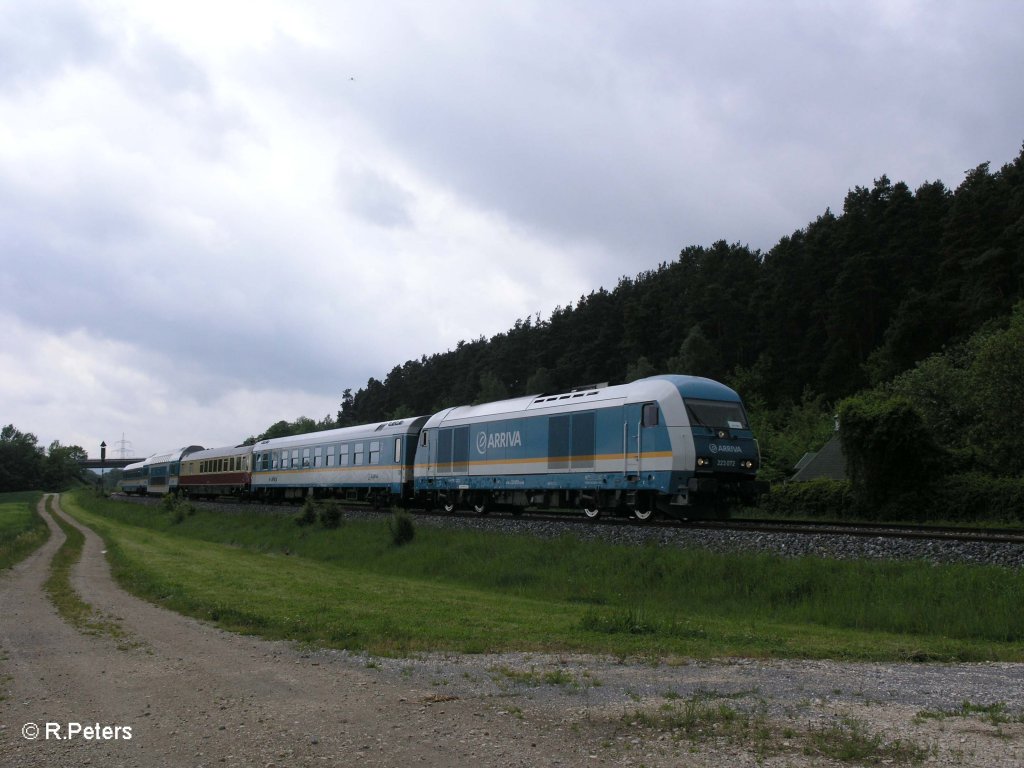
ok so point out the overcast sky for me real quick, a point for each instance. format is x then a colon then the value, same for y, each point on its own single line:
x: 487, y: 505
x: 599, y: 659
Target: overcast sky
x: 215, y: 215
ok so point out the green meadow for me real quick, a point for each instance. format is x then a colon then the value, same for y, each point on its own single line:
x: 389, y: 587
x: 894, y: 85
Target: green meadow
x: 21, y: 529
x: 469, y: 591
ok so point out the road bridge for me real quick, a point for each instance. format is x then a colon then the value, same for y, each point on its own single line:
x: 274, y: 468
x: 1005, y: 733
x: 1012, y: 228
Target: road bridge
x: 107, y: 463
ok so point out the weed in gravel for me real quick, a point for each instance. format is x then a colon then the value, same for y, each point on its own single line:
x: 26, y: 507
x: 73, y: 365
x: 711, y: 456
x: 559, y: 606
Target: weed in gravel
x: 697, y: 719
x: 532, y: 678
x: 706, y: 717
x: 994, y: 714
x: 850, y: 741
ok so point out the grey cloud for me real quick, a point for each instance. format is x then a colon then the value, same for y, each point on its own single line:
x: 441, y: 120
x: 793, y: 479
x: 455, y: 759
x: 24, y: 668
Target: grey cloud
x: 375, y: 198
x: 648, y: 127
x: 41, y: 39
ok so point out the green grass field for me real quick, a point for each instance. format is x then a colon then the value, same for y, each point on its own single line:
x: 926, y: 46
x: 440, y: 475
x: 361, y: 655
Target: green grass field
x: 351, y: 587
x: 21, y: 529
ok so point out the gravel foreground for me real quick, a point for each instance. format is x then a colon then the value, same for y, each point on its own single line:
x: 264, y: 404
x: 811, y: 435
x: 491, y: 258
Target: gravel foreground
x: 189, y: 694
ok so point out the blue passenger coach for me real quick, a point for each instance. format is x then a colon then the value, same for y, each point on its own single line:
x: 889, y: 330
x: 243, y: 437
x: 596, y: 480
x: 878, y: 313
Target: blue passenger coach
x: 675, y: 444
x: 371, y: 462
x: 134, y: 479
x: 156, y: 475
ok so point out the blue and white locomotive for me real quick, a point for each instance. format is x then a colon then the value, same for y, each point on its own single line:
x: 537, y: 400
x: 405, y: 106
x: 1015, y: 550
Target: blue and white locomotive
x: 675, y: 444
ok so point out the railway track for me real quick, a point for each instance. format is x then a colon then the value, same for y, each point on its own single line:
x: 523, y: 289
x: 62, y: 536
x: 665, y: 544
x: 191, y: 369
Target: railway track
x: 872, y: 530
x: 858, y: 529
x: 863, y: 530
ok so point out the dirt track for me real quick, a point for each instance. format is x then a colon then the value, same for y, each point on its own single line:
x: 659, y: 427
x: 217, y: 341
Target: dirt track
x: 193, y: 695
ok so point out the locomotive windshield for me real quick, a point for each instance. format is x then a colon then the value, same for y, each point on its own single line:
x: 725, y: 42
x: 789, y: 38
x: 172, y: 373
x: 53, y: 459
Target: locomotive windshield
x: 716, y: 413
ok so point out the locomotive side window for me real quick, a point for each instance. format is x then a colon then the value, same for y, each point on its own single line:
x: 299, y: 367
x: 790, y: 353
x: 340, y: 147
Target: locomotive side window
x: 444, y: 450
x: 558, y: 441
x: 583, y: 440
x: 650, y: 415
x: 460, y: 448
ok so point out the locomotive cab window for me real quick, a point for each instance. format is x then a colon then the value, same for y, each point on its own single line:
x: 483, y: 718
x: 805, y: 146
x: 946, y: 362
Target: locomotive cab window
x: 716, y: 413
x: 650, y: 415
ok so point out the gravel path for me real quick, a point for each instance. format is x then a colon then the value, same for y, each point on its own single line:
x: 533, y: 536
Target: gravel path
x: 193, y: 695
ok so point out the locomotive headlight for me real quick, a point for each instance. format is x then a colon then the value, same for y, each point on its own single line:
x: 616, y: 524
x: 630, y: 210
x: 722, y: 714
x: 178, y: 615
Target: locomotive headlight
x: 748, y: 464
x: 703, y: 462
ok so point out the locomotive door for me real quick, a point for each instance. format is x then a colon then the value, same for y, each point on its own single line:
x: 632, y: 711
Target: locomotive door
x: 637, y: 419
x: 632, y: 438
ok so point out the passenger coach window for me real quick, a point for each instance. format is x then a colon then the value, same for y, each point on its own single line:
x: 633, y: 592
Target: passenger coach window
x: 343, y: 456
x: 375, y: 452
x: 357, y: 454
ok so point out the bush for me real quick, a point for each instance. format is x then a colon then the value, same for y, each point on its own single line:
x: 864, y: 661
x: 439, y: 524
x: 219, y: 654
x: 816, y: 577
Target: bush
x: 178, y: 508
x: 330, y: 516
x: 974, y: 496
x: 891, y: 455
x: 823, y: 498
x: 307, y: 516
x: 401, y: 527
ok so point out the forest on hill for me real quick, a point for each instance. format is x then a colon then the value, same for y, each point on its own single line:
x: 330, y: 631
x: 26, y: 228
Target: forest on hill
x: 845, y: 304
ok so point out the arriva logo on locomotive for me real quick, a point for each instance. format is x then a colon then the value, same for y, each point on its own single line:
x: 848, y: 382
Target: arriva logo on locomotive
x: 715, y: 448
x: 487, y: 440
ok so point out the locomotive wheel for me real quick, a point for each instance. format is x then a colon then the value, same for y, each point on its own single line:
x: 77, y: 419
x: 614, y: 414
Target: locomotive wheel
x: 449, y: 507
x: 643, y: 514
x: 480, y: 508
x: 592, y: 513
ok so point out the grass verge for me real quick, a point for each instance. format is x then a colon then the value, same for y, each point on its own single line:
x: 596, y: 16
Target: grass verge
x: 469, y: 591
x: 22, y: 530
